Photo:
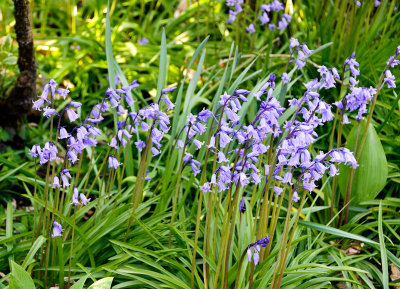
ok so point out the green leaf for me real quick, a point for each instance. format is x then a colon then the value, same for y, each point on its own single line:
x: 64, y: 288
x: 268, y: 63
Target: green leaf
x: 9, y: 225
x: 336, y: 232
x: 80, y: 283
x: 110, y: 60
x: 11, y: 60
x: 2, y: 178
x: 35, y: 247
x: 162, y: 72
x: 19, y: 278
x: 104, y: 283
x: 370, y: 177
x: 385, y: 273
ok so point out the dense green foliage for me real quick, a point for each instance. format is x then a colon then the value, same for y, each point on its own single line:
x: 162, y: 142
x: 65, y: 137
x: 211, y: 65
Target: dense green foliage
x: 192, y: 47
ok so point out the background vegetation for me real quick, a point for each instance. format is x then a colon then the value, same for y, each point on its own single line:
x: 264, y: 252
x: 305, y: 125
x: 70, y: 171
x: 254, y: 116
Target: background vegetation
x: 204, y: 56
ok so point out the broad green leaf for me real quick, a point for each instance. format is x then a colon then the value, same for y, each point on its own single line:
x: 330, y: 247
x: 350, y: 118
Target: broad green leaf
x: 19, y: 278
x: 370, y: 177
x: 104, y: 283
x: 11, y: 60
x: 80, y: 283
x: 35, y: 247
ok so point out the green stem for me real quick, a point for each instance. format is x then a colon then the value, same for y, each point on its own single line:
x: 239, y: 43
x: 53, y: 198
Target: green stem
x: 350, y: 181
x: 70, y: 251
x: 289, y: 243
x: 34, y: 207
x: 283, y: 242
x: 177, y: 187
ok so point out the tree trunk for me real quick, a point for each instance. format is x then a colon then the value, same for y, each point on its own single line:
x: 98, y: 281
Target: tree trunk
x: 19, y: 101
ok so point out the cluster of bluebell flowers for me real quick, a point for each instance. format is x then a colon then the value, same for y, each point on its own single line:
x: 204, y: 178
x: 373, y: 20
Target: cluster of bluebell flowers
x: 253, y: 250
x: 149, y: 118
x: 266, y: 14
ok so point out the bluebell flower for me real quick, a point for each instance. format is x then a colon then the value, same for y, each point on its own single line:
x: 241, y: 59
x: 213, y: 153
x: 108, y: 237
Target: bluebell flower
x: 295, y: 196
x: 121, y: 110
x: 56, y: 182
x: 35, y: 151
x: 48, y: 111
x: 75, y: 197
x: 155, y: 151
x: 143, y: 41
x: 204, y: 115
x: 283, y: 23
x: 57, y: 230
x: 326, y: 112
x: 276, y: 6
x: 195, y: 165
x: 389, y: 79
x: 256, y: 248
x: 63, y: 92
x: 224, y: 139
x: 300, y: 60
x: 95, y: 120
x: 278, y: 190
x: 52, y: 85
x: 72, y: 156
x: 286, y: 179
x: 242, y: 207
x: 170, y: 105
x: 168, y: 89
x: 180, y: 144
x: 146, y: 178
x: 205, y: 188
x: 140, y: 145
x: 221, y: 157
x: 351, y: 64
x: 191, y: 118
x: 251, y: 28
x: 238, y: 7
x: 65, y: 175
x: 327, y: 77
x: 84, y: 200
x: 309, y: 185
x: 285, y: 78
x: 392, y: 60
x: 244, y: 181
x: 198, y: 144
x: 38, y: 104
x: 75, y: 104
x: 255, y: 178
x: 113, y: 163
x: 63, y: 133
x: 145, y: 126
x: 72, y: 115
x: 211, y: 145
x: 232, y: 16
x: 305, y: 49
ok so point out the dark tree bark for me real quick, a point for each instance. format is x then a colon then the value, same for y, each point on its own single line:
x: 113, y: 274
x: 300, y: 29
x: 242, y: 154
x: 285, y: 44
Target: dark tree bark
x: 19, y: 101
